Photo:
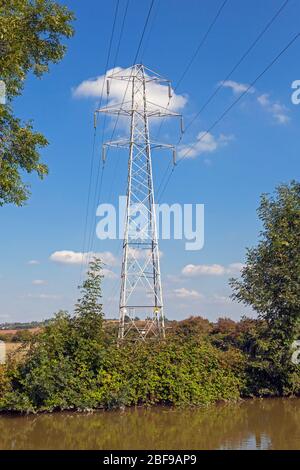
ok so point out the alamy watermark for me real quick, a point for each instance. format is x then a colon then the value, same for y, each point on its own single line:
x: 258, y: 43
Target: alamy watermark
x: 176, y: 221
x: 2, y: 352
x: 296, y: 352
x: 296, y: 93
x: 2, y: 92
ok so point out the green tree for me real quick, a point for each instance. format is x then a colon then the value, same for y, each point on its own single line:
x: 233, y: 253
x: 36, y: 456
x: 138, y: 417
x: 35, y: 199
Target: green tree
x: 270, y: 284
x: 88, y: 309
x: 61, y: 364
x: 31, y: 33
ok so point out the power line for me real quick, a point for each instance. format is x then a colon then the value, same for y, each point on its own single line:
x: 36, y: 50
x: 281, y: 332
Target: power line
x: 134, y: 61
x: 94, y: 141
x: 91, y: 239
x: 143, y: 33
x: 238, y: 63
x: 217, y: 121
x: 193, y: 57
x: 117, y: 119
x: 98, y: 187
x: 150, y: 29
x: 115, y: 62
x: 200, y: 44
x: 121, y: 32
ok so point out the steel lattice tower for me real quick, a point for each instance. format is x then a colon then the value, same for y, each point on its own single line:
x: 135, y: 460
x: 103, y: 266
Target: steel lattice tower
x: 141, y: 289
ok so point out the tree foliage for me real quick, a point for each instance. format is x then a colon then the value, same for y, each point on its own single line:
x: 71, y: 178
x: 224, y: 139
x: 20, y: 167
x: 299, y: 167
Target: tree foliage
x: 88, y: 309
x: 19, y: 153
x: 31, y: 33
x: 270, y: 283
x: 61, y: 363
x: 75, y: 363
x: 198, y: 363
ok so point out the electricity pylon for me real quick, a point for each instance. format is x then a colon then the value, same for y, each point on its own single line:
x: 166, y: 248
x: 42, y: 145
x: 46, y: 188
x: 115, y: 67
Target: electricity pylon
x: 141, y: 303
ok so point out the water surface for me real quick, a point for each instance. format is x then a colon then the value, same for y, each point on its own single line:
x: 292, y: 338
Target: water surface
x: 252, y: 424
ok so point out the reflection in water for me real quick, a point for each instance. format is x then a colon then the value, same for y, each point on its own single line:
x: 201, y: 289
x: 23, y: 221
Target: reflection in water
x: 253, y: 424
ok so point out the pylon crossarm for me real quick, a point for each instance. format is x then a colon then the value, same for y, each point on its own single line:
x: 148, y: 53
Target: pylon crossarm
x: 126, y: 143
x: 128, y: 112
x: 115, y: 111
x: 134, y: 70
x: 117, y: 143
x: 158, y: 113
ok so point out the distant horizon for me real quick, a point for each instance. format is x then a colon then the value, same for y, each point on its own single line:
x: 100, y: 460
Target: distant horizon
x: 167, y: 320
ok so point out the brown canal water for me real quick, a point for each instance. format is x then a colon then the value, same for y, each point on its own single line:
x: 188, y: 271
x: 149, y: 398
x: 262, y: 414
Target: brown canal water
x: 252, y: 424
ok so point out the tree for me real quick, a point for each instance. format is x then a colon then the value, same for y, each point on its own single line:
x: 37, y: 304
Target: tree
x: 88, y: 309
x: 270, y: 281
x: 62, y: 364
x: 19, y: 152
x: 31, y: 32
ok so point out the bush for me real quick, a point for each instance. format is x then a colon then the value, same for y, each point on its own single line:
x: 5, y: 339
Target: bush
x: 63, y: 371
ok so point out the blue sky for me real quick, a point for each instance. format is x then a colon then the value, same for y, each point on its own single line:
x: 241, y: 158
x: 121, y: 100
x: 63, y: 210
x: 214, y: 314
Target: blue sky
x: 253, y: 149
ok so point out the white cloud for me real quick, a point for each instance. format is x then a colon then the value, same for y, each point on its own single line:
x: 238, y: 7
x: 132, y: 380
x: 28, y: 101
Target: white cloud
x: 33, y: 262
x: 38, y: 282
x: 156, y: 93
x: 276, y: 109
x: 237, y: 87
x: 263, y: 100
x: 195, y: 270
x: 184, y: 293
x: 77, y: 257
x: 205, y: 143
